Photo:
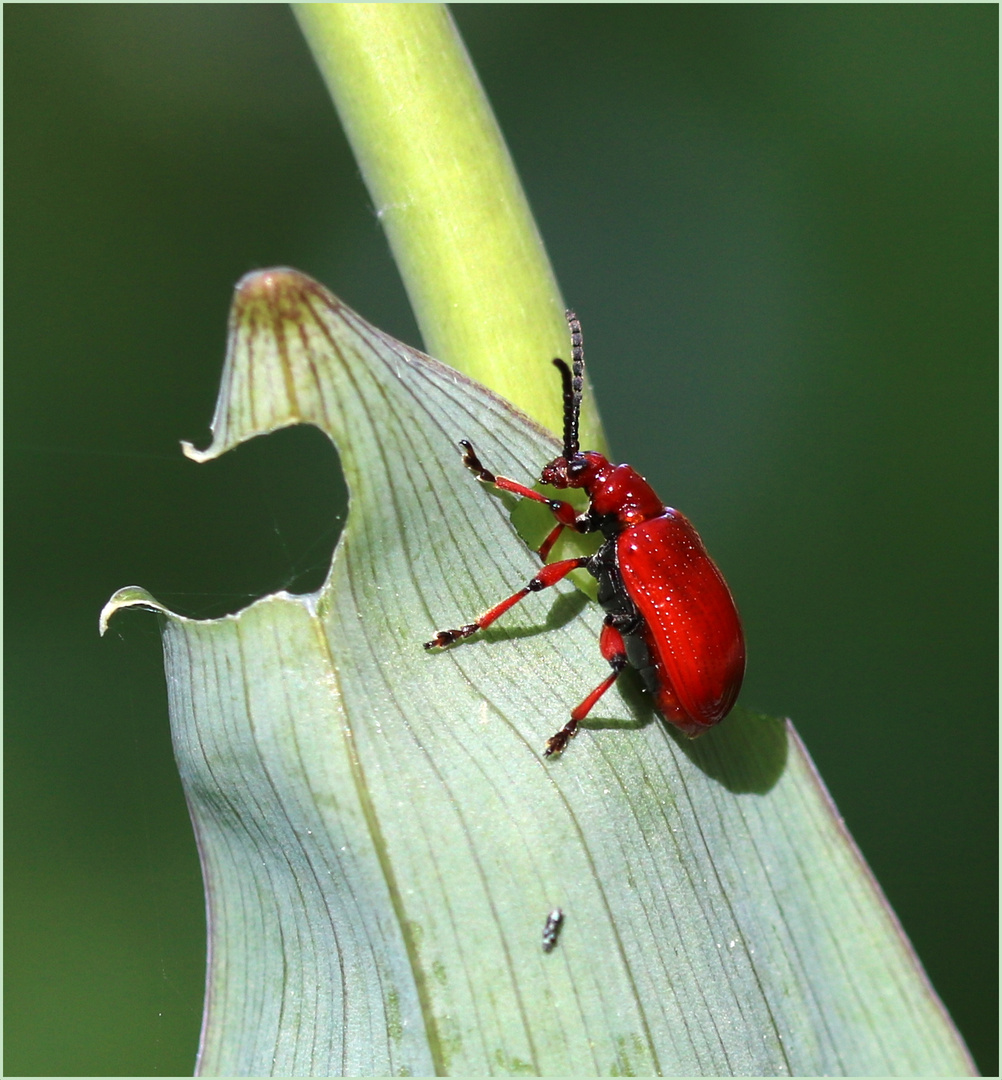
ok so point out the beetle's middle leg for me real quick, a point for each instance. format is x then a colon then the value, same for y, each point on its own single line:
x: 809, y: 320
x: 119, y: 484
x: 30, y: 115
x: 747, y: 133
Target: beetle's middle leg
x: 547, y: 576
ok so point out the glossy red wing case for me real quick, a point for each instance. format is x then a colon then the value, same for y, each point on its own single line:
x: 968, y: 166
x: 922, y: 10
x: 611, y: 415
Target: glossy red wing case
x: 693, y: 629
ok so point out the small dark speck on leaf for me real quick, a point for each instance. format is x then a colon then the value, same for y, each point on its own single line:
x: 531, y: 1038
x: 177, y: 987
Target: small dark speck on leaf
x: 552, y: 929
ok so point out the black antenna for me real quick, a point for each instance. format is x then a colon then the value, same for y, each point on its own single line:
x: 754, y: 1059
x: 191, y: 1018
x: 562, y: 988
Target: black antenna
x: 573, y: 386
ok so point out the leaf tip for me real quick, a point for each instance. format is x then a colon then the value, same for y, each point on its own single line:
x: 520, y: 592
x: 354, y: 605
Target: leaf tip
x: 189, y: 451
x: 131, y: 596
x: 277, y: 292
x: 279, y: 340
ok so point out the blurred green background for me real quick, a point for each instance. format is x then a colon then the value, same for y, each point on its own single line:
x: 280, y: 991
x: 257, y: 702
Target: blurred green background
x: 779, y: 226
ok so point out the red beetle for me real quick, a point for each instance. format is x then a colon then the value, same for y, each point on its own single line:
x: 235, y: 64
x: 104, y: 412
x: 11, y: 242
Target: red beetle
x: 669, y: 613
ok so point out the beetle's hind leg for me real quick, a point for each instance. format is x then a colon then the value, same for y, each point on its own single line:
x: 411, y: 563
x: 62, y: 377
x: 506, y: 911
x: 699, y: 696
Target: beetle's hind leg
x: 614, y: 650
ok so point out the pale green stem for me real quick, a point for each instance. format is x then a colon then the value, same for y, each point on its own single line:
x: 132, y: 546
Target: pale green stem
x: 447, y: 193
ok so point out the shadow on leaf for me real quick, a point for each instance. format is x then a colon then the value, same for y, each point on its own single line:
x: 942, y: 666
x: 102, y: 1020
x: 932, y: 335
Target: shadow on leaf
x: 566, y: 607
x: 746, y: 752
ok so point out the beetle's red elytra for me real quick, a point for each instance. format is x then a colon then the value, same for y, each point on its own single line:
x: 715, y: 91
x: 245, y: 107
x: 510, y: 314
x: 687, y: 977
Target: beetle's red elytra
x: 669, y: 613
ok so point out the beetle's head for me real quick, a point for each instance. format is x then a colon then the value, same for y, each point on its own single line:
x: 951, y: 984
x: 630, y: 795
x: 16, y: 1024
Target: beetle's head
x: 582, y: 470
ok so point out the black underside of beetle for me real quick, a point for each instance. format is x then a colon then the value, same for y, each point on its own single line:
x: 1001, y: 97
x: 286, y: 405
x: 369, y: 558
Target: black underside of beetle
x: 621, y: 611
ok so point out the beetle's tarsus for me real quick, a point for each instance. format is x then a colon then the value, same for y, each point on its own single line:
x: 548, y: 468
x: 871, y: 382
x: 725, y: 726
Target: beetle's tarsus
x: 447, y: 637
x: 557, y: 744
x: 474, y: 464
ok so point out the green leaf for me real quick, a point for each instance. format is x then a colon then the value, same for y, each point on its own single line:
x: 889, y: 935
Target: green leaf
x: 382, y: 839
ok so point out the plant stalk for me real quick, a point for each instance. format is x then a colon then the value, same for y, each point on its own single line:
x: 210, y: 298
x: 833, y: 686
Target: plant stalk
x: 446, y: 190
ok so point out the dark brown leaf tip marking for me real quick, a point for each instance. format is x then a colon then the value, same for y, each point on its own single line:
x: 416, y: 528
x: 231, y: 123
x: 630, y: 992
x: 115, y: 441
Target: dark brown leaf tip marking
x: 282, y: 292
x: 284, y: 332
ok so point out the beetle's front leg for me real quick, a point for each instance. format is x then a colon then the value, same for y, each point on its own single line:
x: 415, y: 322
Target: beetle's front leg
x: 567, y: 517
